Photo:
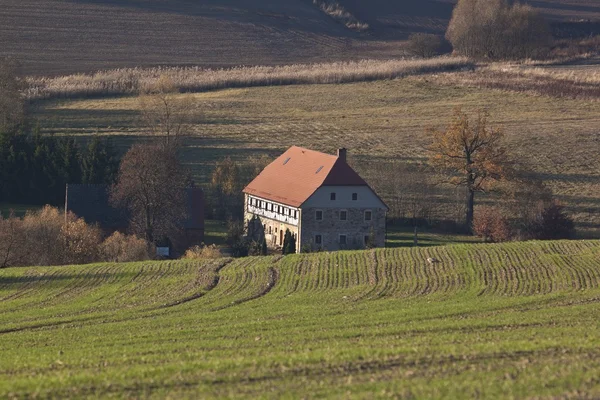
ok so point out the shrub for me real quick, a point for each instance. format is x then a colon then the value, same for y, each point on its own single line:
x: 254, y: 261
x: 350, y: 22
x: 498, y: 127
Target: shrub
x: 124, y: 248
x: 552, y: 223
x: 81, y: 242
x: 491, y: 225
x: 43, y: 236
x: 236, y: 239
x: 203, y: 252
x: 424, y: 45
x: 497, y: 29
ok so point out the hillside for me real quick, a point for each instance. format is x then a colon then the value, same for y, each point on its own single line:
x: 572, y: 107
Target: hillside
x: 65, y: 36
x: 513, y: 320
x: 379, y: 122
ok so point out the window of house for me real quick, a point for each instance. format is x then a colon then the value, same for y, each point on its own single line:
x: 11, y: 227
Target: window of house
x: 276, y: 229
x: 319, y: 215
x: 343, y: 215
x: 354, y: 196
x: 318, y: 239
x: 343, y: 239
x: 332, y: 196
x: 270, y: 230
x: 368, y: 215
x: 295, y: 213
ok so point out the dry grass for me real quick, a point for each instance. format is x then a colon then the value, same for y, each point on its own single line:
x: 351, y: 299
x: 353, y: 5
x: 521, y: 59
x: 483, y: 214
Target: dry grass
x: 136, y: 80
x: 377, y: 121
x: 579, y: 79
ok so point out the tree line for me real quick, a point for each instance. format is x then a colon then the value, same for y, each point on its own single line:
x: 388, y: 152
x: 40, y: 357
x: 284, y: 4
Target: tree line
x: 34, y: 168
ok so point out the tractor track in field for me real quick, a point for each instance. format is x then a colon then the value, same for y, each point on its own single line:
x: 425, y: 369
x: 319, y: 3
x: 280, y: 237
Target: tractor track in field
x: 211, y: 286
x: 273, y: 279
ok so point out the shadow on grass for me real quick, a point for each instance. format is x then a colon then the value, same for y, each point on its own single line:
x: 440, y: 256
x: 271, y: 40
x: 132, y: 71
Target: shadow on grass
x: 404, y: 237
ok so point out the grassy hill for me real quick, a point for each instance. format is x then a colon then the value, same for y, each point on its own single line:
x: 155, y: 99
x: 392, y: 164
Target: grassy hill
x: 512, y: 320
x: 378, y: 122
x: 65, y: 36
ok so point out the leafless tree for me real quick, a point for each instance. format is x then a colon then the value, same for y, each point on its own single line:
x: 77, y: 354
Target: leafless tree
x: 165, y: 112
x: 152, y: 186
x: 12, y: 241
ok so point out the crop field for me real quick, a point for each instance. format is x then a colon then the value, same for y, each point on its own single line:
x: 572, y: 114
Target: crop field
x: 513, y: 320
x: 64, y: 36
x: 379, y: 122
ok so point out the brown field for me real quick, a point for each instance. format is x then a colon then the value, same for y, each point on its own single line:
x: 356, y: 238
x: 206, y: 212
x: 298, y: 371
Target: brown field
x: 382, y: 121
x: 54, y: 37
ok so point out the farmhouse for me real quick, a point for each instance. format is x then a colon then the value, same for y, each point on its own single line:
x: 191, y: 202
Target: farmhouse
x: 324, y: 203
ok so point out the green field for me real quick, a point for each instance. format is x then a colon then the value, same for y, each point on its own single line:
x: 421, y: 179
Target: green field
x: 518, y: 320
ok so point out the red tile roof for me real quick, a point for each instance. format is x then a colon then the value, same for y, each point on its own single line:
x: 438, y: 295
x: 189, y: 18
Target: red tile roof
x: 293, y: 177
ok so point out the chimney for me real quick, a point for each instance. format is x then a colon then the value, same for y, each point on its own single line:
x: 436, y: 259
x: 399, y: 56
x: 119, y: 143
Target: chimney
x: 342, y: 154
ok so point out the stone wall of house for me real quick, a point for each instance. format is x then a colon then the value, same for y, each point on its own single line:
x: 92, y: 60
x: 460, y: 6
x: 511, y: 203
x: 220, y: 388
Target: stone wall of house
x: 355, y: 228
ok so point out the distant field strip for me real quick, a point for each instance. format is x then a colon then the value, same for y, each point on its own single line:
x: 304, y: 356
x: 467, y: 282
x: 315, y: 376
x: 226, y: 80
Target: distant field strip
x: 195, y: 79
x: 515, y: 320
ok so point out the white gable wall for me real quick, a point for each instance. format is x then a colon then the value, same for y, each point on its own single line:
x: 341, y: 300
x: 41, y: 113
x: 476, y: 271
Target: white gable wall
x: 322, y: 198
x: 326, y: 233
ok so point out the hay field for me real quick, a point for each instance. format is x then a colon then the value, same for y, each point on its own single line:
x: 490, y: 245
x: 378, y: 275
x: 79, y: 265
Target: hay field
x: 517, y: 320
x: 377, y: 121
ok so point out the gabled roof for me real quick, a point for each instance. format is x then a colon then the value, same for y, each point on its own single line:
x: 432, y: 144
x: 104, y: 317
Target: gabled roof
x: 295, y: 175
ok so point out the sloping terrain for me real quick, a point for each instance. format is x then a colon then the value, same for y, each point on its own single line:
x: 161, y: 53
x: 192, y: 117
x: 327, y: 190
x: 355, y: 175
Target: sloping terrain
x: 379, y: 122
x: 59, y: 36
x: 65, y: 36
x: 512, y: 320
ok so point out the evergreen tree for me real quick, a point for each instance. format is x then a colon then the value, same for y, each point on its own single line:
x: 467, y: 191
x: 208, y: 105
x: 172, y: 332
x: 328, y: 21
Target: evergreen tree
x: 264, y: 250
x: 99, y: 164
x: 289, y: 244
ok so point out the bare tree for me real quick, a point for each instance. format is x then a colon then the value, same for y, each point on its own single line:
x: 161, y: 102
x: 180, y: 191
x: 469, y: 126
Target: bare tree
x: 165, y: 113
x: 12, y: 240
x: 152, y: 186
x: 471, y: 154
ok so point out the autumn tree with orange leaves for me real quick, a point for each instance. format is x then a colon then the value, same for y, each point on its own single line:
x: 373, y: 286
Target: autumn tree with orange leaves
x: 471, y: 154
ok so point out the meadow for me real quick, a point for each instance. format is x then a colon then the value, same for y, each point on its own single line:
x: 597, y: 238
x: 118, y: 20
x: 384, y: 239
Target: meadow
x: 516, y: 320
x: 380, y: 122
